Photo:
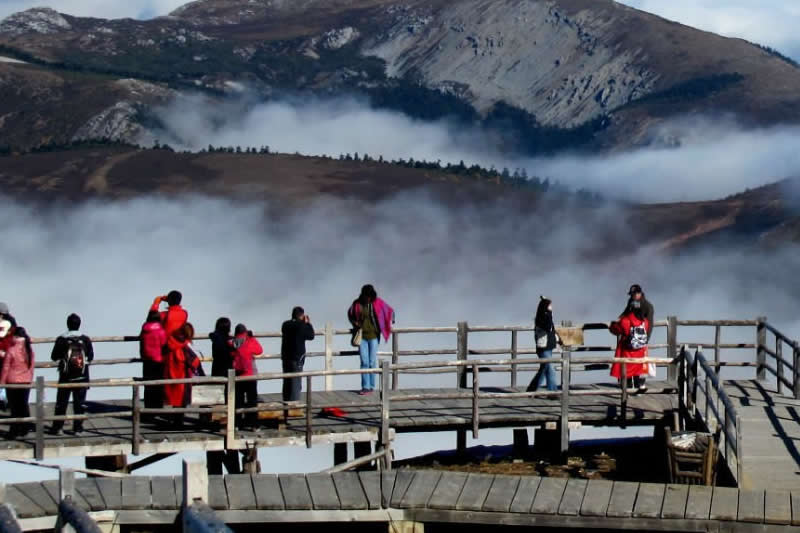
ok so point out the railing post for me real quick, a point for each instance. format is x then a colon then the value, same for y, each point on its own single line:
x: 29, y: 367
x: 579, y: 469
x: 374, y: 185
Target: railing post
x: 739, y: 470
x: 709, y: 399
x: 779, y: 362
x: 195, y: 482
x: 230, y: 424
x: 683, y: 393
x: 39, y: 446
x: 566, y: 379
x: 385, y: 428
x: 623, y: 383
x: 309, y: 411
x: 695, y: 376
x: 462, y: 352
x: 796, y: 371
x: 476, y: 389
x: 66, y: 483
x: 672, y: 347
x: 328, y: 355
x: 761, y: 343
x: 395, y: 358
x: 514, y: 351
x: 717, y: 336
x: 136, y: 416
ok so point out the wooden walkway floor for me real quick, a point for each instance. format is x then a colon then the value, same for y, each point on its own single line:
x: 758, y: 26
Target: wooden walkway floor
x: 770, y: 435
x: 430, y: 496
x: 112, y: 435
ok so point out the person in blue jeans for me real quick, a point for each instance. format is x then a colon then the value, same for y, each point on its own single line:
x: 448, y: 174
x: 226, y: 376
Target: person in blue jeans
x: 375, y: 318
x: 546, y: 340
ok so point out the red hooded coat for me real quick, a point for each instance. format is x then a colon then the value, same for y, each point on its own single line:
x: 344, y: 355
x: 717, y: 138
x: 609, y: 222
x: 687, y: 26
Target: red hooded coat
x: 622, y: 329
x: 175, y: 368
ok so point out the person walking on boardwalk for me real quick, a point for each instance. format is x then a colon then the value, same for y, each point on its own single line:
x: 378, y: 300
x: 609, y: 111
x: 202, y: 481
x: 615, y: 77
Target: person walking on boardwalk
x: 546, y: 340
x: 175, y: 316
x: 179, y: 365
x: 246, y: 347
x: 152, y: 344
x: 18, y: 370
x: 636, y: 294
x: 631, y: 331
x: 74, y: 352
x: 371, y: 317
x: 294, y: 334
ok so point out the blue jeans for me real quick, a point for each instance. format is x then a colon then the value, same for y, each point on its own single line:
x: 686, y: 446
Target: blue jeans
x: 369, y: 359
x: 546, y: 373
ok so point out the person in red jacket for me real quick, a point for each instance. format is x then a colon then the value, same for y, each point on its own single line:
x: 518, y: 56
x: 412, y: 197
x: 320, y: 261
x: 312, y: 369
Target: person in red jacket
x: 176, y: 366
x: 246, y: 347
x: 632, y: 335
x: 175, y: 316
x: 18, y: 369
x: 152, y: 342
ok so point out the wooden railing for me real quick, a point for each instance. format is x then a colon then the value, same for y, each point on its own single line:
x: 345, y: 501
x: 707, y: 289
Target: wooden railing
x: 783, y: 366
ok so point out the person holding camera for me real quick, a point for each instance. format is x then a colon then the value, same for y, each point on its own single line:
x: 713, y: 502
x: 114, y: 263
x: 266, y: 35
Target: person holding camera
x: 175, y: 316
x: 295, y: 332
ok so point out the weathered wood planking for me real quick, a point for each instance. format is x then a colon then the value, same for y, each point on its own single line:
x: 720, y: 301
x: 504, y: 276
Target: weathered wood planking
x: 597, y: 497
x: 402, y: 481
x: 751, y: 506
x: 240, y: 491
x: 474, y: 492
x: 675, y: 497
x: 217, y: 495
x: 572, y: 499
x: 623, y: 498
x: 526, y: 492
x: 350, y: 491
x: 296, y: 495
x: 724, y: 503
x: 35, y: 493
x: 268, y: 492
x: 501, y: 494
x: 323, y: 492
x: 649, y: 501
x: 548, y: 497
x: 698, y: 504
x: 447, y: 491
x: 777, y: 507
x: 371, y: 484
x: 420, y: 490
x: 136, y: 492
x: 111, y: 489
x: 164, y: 494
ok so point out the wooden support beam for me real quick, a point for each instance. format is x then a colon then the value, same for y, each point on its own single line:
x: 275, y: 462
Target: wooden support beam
x: 395, y: 358
x: 385, y: 440
x: 195, y: 482
x: 565, y: 385
x: 38, y: 453
x: 135, y: 421
x: 672, y: 346
x: 230, y: 403
x: 147, y: 461
x: 309, y: 412
x: 329, y: 355
x: 514, y: 355
x: 476, y: 411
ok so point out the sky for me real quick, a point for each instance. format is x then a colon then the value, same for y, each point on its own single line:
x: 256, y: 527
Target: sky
x: 768, y: 22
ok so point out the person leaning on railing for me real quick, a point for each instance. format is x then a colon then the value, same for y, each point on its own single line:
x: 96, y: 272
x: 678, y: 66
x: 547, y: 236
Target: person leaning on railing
x: 246, y: 347
x: 18, y: 369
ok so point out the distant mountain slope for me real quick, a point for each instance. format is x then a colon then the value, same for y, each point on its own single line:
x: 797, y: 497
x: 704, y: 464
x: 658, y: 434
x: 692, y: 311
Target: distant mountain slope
x: 563, y: 62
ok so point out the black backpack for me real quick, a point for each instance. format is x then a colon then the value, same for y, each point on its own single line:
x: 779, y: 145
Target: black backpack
x: 74, y: 364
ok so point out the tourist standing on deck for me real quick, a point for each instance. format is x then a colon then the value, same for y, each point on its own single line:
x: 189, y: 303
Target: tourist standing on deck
x: 179, y: 365
x: 152, y: 344
x: 636, y: 294
x: 18, y: 370
x: 246, y: 348
x: 546, y: 340
x: 175, y: 316
x: 222, y: 361
x: 7, y: 324
x: 73, y: 351
x: 371, y: 317
x: 294, y: 334
x: 631, y: 331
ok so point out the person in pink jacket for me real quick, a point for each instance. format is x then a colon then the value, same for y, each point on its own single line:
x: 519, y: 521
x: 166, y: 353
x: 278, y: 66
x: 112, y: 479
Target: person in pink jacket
x: 246, y: 347
x: 152, y: 341
x: 17, y: 370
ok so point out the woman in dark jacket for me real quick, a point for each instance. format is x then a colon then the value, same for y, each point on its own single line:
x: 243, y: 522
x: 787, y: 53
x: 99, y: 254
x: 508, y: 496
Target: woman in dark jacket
x: 221, y: 347
x: 546, y: 340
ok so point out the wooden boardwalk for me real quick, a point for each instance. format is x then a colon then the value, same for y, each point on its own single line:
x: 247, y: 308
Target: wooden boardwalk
x: 113, y: 435
x: 770, y: 435
x: 426, y: 496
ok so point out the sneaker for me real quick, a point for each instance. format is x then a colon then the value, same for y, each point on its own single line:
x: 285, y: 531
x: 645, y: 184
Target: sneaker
x: 642, y: 389
x: 56, y: 432
x: 364, y: 392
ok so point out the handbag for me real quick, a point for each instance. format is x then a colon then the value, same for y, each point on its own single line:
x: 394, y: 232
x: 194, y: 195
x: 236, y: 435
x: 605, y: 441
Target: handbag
x: 541, y: 338
x: 355, y: 340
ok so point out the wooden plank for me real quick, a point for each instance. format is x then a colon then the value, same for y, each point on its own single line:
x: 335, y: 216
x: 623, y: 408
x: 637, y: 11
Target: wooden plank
x: 51, y: 486
x: 164, y: 495
x: 36, y: 493
x: 87, y: 487
x: 402, y: 481
x: 649, y: 500
x: 136, y: 493
x: 548, y: 497
x: 526, y: 492
x: 240, y: 492
x: 724, y: 503
x: 420, y: 490
x: 698, y: 504
x: 371, y: 486
x: 777, y: 507
x: 23, y: 505
x: 217, y: 495
x: 675, y: 497
x: 597, y: 497
x: 751, y: 506
x: 474, y: 493
x: 501, y: 494
x: 323, y: 492
x: 572, y: 499
x: 623, y: 498
x: 111, y: 489
x: 295, y: 492
x: 795, y: 495
x: 447, y: 491
x: 351, y: 494
x: 387, y: 486
x: 268, y: 492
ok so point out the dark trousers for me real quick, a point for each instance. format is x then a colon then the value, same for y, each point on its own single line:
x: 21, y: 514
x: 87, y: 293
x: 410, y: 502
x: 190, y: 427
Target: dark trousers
x: 62, y: 400
x: 18, y: 405
x: 246, y: 396
x: 292, y: 386
x: 637, y: 381
x: 153, y: 394
x: 215, y: 460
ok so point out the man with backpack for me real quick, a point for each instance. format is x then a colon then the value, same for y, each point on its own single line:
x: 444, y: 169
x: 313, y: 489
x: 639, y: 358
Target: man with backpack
x: 73, y: 351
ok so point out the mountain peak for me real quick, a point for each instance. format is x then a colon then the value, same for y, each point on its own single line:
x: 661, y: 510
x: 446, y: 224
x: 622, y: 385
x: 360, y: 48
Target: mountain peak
x: 42, y: 20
